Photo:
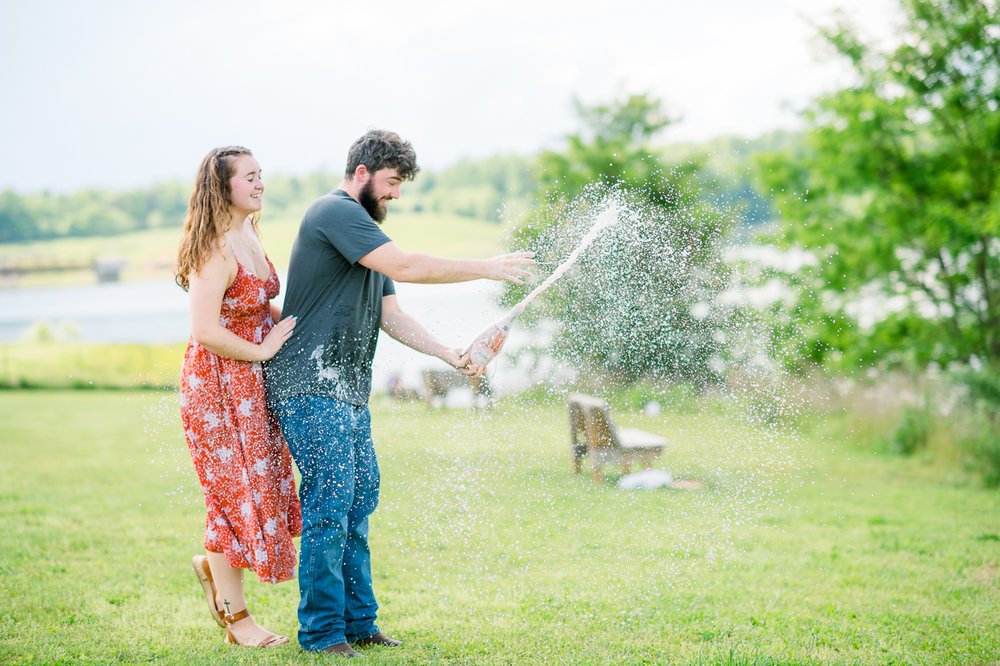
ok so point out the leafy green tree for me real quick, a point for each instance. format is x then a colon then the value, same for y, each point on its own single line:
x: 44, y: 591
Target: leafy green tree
x: 481, y: 189
x: 16, y: 221
x: 895, y: 190
x: 641, y: 300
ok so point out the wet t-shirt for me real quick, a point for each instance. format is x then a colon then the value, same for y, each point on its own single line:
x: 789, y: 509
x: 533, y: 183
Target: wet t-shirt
x: 337, y: 302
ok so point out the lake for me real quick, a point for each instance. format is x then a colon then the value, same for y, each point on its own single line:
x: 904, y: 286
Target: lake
x: 155, y: 312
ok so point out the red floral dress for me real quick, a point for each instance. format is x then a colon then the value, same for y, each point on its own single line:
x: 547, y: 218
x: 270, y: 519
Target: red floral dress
x: 242, y: 461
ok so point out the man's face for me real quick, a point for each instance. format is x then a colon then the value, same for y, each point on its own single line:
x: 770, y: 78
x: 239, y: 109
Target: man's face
x: 380, y: 188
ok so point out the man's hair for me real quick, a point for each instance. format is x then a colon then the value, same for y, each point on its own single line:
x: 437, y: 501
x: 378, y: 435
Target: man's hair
x: 382, y: 149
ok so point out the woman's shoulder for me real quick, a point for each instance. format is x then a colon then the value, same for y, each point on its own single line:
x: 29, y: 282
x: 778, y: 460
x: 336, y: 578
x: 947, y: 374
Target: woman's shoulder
x: 222, y: 250
x: 220, y: 263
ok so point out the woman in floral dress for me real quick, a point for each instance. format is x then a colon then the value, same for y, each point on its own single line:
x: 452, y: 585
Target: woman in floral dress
x: 241, y: 459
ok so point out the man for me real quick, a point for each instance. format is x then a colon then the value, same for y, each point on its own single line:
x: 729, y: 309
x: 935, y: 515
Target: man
x: 341, y: 289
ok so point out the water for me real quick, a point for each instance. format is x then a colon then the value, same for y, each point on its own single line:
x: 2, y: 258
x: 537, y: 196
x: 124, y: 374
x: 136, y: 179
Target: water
x: 156, y: 312
x: 128, y: 312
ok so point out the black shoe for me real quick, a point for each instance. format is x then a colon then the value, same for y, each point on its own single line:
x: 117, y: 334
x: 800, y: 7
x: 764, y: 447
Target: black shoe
x: 341, y: 649
x: 378, y: 639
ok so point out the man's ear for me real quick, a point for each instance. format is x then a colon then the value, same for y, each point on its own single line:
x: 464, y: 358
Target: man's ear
x: 361, y: 174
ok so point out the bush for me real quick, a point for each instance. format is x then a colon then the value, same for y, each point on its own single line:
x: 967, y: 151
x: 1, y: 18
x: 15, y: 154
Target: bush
x: 911, y: 432
x: 982, y: 445
x: 984, y: 456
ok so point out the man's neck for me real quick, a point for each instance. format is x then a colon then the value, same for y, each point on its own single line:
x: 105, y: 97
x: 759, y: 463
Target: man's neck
x: 349, y: 187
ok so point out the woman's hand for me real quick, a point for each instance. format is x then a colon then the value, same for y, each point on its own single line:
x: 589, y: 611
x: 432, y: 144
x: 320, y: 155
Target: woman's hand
x: 278, y: 336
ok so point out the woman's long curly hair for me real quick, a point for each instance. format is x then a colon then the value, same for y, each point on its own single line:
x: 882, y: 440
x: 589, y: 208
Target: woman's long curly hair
x: 208, y: 212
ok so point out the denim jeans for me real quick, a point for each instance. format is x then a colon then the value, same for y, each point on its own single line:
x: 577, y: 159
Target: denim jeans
x: 332, y: 445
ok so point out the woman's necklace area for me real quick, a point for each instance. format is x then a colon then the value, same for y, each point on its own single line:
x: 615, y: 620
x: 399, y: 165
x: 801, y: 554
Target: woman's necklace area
x: 249, y: 247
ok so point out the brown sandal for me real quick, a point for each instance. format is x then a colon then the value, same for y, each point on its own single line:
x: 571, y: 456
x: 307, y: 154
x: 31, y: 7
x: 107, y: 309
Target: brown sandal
x: 204, y: 574
x: 270, y: 641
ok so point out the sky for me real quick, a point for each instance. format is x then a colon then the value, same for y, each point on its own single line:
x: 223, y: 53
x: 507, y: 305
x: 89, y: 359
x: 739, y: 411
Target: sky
x: 120, y: 94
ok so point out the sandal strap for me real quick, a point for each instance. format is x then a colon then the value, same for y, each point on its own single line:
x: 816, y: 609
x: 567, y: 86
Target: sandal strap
x: 231, y: 618
x: 273, y: 640
x: 270, y: 641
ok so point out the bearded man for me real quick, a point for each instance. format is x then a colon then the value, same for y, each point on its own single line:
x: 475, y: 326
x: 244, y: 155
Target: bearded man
x: 340, y: 287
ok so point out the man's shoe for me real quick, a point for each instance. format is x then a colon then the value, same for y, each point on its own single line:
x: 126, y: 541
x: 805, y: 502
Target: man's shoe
x: 378, y: 639
x: 340, y: 649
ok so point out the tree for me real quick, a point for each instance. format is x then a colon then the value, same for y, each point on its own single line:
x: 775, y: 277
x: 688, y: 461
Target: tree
x: 641, y: 299
x: 481, y: 189
x: 16, y: 221
x: 895, y: 190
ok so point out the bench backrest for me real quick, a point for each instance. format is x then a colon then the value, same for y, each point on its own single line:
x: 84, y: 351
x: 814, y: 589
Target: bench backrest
x: 577, y: 424
x: 590, y: 419
x: 600, y: 429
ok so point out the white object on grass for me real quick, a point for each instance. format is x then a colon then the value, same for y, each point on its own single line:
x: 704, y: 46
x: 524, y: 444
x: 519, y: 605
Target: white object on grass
x: 649, y: 479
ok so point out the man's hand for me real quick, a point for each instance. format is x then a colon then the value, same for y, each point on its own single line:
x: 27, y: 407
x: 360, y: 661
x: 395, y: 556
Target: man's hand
x: 513, y: 267
x: 462, y: 362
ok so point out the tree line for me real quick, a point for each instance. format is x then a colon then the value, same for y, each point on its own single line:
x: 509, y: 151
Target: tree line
x: 485, y: 189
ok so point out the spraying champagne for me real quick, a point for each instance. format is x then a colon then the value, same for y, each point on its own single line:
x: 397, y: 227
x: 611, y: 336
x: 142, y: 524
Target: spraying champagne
x: 489, y: 342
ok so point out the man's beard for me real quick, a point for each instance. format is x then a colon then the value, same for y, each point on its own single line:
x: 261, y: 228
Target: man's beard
x: 371, y: 204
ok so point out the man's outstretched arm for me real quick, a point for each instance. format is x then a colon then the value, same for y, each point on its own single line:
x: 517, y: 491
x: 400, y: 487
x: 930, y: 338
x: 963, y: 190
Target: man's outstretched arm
x: 401, y: 266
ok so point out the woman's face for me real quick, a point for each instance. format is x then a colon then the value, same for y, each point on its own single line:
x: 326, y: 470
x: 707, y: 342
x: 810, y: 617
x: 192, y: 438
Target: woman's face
x: 246, y: 186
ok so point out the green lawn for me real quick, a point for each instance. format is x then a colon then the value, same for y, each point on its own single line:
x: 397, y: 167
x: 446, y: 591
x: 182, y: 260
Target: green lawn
x: 80, y: 365
x: 488, y: 550
x: 151, y: 254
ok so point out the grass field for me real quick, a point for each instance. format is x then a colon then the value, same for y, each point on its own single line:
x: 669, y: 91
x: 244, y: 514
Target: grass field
x: 800, y: 549
x: 151, y: 254
x: 86, y: 366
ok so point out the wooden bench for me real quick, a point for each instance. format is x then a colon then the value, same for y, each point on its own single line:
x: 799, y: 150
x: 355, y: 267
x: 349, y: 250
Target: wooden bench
x: 593, y: 433
x: 437, y: 383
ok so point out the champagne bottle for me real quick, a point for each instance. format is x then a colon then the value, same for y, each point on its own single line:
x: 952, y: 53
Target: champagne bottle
x: 488, y: 344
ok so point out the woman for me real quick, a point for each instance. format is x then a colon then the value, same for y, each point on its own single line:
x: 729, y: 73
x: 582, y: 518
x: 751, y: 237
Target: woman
x: 242, y: 462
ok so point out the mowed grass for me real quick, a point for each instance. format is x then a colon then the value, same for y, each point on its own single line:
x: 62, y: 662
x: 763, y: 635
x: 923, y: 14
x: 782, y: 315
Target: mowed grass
x: 489, y: 550
x: 151, y: 254
x: 85, y: 366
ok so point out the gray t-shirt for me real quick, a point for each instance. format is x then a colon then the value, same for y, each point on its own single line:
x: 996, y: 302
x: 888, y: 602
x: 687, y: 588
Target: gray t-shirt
x: 337, y: 302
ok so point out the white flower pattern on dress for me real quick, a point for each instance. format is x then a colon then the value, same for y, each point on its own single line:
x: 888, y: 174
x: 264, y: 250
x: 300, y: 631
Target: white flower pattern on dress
x: 211, y: 420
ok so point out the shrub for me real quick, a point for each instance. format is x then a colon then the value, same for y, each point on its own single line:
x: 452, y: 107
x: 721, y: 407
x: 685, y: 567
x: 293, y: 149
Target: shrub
x: 911, y: 432
x: 984, y: 456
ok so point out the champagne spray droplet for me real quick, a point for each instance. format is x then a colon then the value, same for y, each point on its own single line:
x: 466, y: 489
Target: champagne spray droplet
x: 490, y: 341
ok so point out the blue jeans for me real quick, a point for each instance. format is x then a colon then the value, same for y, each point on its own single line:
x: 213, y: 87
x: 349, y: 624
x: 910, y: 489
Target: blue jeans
x: 332, y: 445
